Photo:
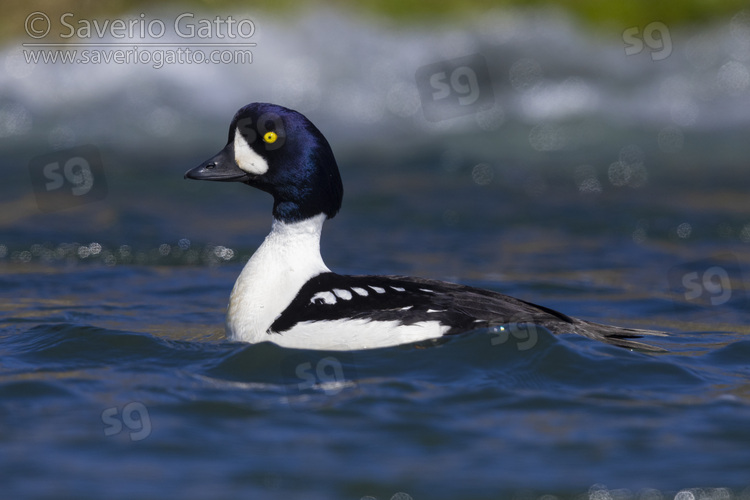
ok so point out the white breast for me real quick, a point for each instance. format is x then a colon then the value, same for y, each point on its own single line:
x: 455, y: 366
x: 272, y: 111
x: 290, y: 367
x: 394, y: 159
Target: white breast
x: 287, y: 259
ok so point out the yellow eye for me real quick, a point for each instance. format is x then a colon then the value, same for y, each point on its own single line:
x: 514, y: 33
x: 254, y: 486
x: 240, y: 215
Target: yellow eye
x: 270, y: 137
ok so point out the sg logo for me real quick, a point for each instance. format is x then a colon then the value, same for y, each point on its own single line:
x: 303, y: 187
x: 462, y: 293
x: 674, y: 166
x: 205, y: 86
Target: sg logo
x: 270, y: 128
x: 463, y: 81
x: 521, y: 328
x: 134, y: 416
x: 68, y: 178
x: 76, y: 171
x: 309, y: 374
x: 710, y: 282
x: 714, y: 281
x: 660, y: 46
x: 454, y: 88
x: 328, y: 375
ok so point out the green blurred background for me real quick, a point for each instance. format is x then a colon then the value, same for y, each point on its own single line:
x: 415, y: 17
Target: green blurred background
x: 595, y: 13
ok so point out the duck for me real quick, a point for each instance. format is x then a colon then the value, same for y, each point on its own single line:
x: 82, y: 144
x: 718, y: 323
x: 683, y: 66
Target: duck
x: 285, y: 294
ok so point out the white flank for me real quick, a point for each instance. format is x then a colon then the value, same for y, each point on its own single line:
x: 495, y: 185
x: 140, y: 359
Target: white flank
x: 355, y: 334
x: 287, y: 259
x: 359, y: 291
x: 246, y: 158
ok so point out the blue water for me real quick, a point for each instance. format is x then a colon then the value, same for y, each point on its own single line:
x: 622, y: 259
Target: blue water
x: 619, y: 196
x: 475, y: 417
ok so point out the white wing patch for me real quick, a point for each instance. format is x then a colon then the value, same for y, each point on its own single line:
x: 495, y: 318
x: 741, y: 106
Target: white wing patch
x: 326, y: 297
x: 246, y: 158
x: 343, y: 294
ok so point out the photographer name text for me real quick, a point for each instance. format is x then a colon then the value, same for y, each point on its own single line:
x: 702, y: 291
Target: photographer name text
x: 38, y: 25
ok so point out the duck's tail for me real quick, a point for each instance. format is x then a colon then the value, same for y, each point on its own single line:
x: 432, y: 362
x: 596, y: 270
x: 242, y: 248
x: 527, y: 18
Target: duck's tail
x: 619, y: 336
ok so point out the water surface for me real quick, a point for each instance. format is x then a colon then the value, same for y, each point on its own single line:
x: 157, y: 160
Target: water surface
x: 607, y: 186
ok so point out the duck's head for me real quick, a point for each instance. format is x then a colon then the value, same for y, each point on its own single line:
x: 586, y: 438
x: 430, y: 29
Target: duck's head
x: 279, y: 151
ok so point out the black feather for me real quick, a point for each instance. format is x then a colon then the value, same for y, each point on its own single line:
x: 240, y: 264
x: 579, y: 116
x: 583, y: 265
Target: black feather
x: 460, y: 307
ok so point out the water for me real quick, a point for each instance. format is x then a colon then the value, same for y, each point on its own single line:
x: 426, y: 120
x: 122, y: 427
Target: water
x: 610, y: 187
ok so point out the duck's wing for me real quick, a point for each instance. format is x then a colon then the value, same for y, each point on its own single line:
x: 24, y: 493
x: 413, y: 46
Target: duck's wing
x: 458, y: 308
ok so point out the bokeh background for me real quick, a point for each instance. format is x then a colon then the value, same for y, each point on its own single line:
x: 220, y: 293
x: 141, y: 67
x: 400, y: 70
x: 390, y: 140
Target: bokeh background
x: 601, y: 101
x: 598, y: 163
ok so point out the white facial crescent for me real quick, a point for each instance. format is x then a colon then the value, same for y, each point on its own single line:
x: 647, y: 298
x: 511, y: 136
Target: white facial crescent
x: 246, y: 157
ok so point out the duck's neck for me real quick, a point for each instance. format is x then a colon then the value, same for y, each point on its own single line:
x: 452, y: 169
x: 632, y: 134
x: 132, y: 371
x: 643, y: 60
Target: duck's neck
x: 287, y: 259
